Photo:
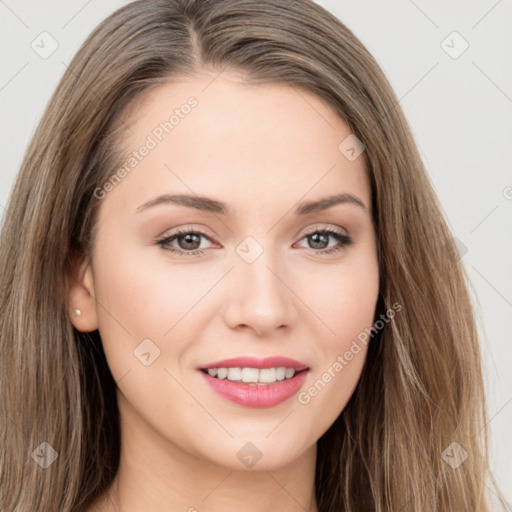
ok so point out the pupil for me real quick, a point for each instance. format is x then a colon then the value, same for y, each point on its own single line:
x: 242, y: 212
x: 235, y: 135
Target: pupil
x: 315, y: 238
x: 189, y: 239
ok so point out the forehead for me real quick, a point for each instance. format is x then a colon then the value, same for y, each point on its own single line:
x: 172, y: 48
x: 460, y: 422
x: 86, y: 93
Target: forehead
x: 219, y: 137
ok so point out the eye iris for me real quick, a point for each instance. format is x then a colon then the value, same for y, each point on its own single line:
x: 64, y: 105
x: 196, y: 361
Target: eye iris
x: 190, y: 238
x: 315, y: 238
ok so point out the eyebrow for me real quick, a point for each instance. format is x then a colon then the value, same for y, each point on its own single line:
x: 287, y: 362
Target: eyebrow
x: 210, y: 205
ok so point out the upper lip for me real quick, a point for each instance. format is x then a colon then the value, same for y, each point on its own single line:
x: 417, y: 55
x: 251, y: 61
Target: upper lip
x: 254, y: 362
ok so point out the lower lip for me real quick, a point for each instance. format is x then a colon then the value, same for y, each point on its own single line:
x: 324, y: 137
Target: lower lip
x: 256, y: 395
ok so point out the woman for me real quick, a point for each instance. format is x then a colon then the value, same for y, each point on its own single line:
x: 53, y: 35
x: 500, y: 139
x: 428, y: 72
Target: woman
x: 313, y: 349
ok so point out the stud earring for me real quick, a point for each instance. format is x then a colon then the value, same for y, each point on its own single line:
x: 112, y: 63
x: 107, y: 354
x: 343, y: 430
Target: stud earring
x: 77, y: 312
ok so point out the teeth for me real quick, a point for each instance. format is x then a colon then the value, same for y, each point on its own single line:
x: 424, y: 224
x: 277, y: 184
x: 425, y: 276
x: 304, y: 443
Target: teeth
x: 234, y: 374
x: 280, y: 373
x: 263, y: 376
x: 266, y: 375
x: 247, y: 375
x: 289, y: 373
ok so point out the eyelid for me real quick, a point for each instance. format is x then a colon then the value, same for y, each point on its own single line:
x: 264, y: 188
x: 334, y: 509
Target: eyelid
x: 206, y: 232
x: 186, y: 227
x: 323, y: 227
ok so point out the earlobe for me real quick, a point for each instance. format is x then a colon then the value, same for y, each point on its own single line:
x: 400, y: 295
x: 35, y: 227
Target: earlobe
x: 81, y: 300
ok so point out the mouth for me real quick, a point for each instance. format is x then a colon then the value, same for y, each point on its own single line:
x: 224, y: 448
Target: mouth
x: 243, y: 386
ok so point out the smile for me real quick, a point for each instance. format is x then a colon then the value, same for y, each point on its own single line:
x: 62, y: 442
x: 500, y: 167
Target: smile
x: 255, y: 394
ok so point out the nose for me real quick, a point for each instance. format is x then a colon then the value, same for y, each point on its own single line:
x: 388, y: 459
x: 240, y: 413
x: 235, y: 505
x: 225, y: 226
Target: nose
x: 259, y: 297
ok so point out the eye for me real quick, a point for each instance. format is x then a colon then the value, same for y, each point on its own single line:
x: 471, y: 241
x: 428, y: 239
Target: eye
x: 319, y: 237
x: 189, y: 241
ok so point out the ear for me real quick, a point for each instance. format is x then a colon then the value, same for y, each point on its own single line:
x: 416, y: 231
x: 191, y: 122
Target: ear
x: 81, y: 294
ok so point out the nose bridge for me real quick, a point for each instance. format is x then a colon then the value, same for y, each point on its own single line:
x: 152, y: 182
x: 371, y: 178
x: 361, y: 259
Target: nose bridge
x: 260, y: 298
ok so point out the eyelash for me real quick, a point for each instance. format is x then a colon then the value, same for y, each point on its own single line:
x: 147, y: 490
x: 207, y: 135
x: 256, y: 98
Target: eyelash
x: 344, y: 240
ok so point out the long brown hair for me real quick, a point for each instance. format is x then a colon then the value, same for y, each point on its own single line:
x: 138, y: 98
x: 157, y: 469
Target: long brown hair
x: 421, y: 389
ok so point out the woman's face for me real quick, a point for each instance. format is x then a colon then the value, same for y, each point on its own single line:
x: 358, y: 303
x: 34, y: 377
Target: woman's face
x: 254, y: 278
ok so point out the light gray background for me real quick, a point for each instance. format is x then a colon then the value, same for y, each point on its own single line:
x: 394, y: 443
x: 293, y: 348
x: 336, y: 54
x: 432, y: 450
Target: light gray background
x: 460, y: 111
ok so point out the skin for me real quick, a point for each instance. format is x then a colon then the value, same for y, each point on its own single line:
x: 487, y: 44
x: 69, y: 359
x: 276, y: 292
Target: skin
x: 262, y: 150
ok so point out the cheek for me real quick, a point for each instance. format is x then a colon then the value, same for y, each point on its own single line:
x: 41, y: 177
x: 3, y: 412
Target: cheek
x: 344, y: 299
x: 346, y: 308
x: 130, y: 307
x: 141, y: 296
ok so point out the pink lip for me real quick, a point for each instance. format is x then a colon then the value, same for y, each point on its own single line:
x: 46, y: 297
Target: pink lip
x: 253, y: 362
x: 255, y: 395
